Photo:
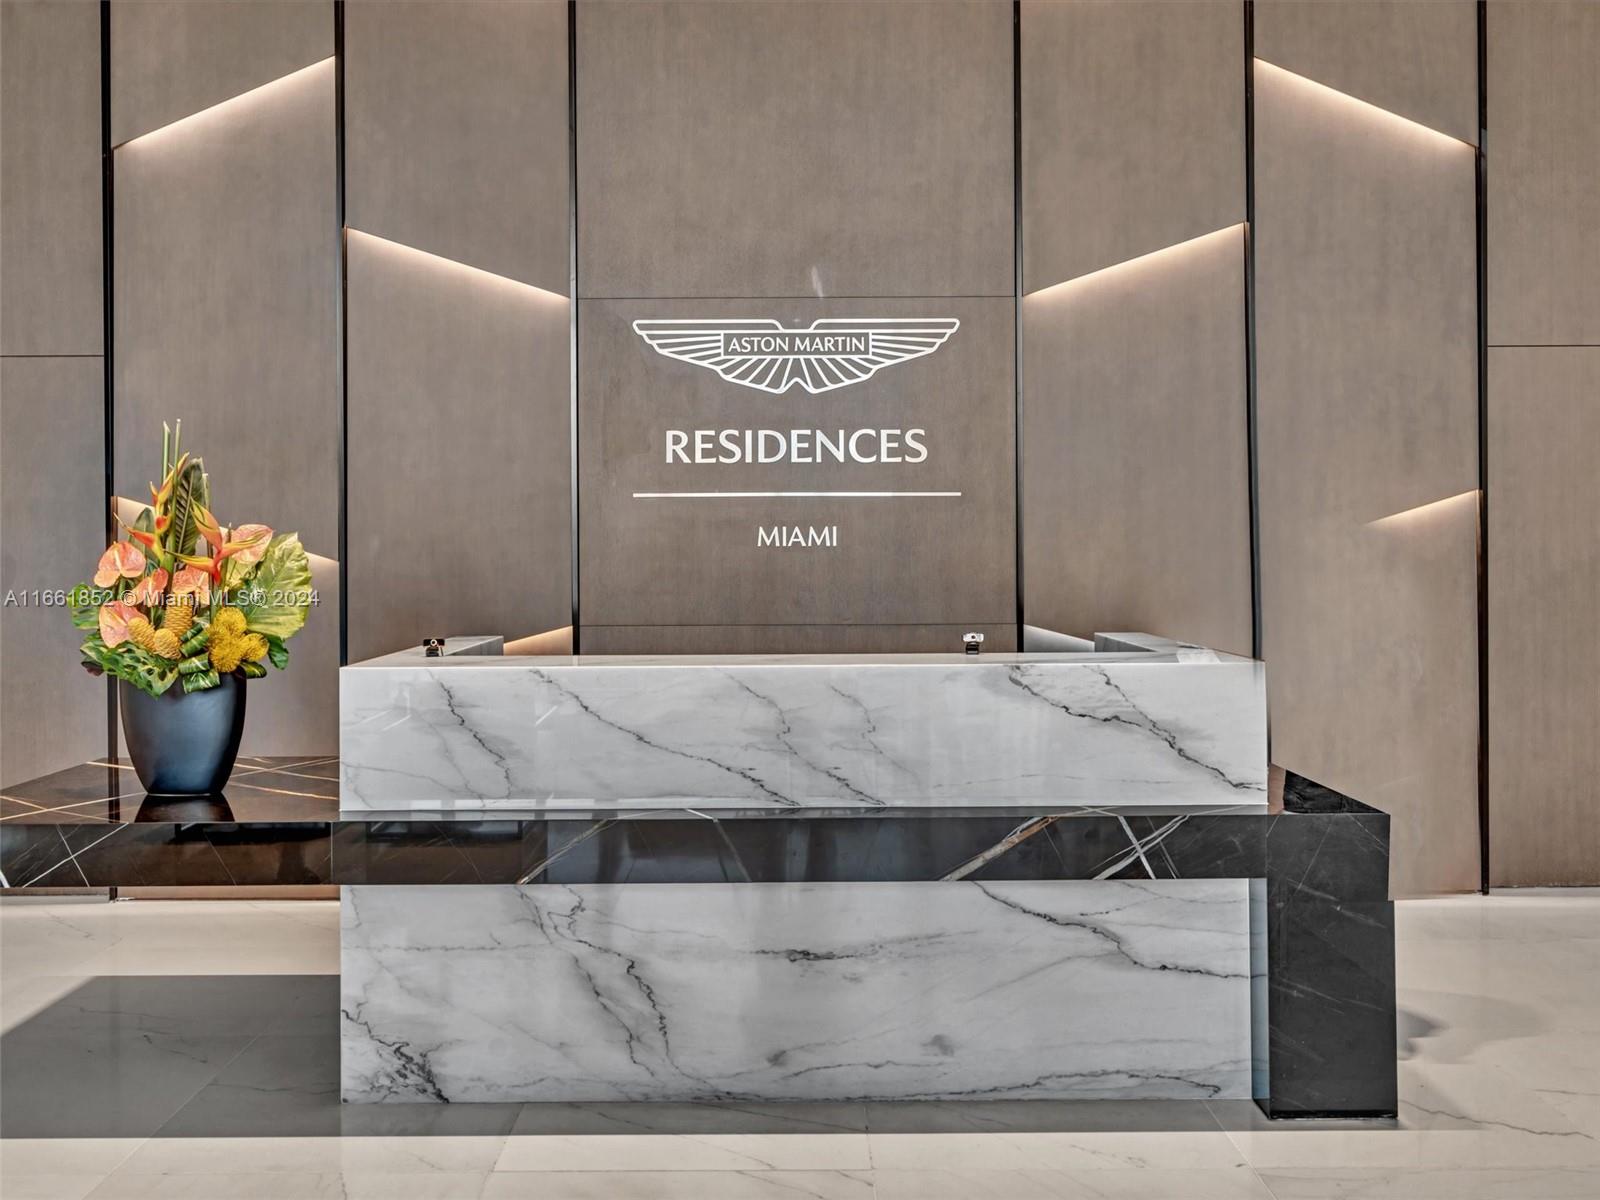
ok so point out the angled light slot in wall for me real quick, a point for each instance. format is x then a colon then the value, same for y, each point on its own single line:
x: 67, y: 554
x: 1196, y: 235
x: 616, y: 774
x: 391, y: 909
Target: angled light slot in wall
x: 1162, y: 259
x: 1423, y: 515
x: 1359, y: 107
x: 225, y: 108
x: 424, y: 259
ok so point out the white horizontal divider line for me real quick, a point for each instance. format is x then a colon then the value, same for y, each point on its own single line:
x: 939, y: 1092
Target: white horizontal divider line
x: 757, y: 495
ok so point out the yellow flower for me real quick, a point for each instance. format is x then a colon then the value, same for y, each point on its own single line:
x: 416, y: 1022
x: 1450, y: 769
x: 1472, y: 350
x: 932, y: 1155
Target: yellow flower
x: 231, y: 645
x: 157, y: 641
x: 229, y: 621
x: 180, y: 615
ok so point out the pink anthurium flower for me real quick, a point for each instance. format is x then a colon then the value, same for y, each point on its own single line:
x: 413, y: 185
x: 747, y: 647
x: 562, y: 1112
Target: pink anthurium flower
x: 252, y: 540
x: 114, y: 618
x: 192, y: 580
x: 149, y: 590
x: 121, y: 560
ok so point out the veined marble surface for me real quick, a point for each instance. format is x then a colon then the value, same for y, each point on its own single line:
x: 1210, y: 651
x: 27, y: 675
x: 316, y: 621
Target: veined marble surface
x: 1187, y: 726
x: 966, y: 990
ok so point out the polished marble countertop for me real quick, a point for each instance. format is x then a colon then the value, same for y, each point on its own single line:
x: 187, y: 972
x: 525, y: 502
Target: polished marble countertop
x: 281, y: 788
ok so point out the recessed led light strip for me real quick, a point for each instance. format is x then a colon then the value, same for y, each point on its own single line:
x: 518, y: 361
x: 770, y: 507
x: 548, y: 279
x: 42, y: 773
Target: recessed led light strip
x: 255, y: 93
x: 1366, y: 107
x: 1407, y: 515
x: 436, y: 260
x: 1143, y: 259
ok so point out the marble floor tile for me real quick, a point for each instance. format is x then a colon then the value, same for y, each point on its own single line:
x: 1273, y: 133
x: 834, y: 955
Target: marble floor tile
x: 278, y: 1086
x: 687, y: 1152
x: 1500, y: 1037
x: 263, y: 1185
x: 679, y: 1185
x: 439, y: 1185
x: 1054, y: 1151
x: 24, y: 996
x: 49, y: 1187
x: 326, y: 1155
x: 1236, y: 1184
x: 1519, y: 915
x: 64, y: 1156
x: 1358, y: 1184
x: 100, y: 1083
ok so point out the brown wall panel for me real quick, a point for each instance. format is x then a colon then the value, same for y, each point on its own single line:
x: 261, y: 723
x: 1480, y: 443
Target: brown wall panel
x: 172, y: 58
x: 1544, y: 594
x: 52, y: 380
x: 1120, y: 100
x: 50, y: 287
x: 52, y: 713
x: 227, y: 287
x: 1417, y: 58
x: 1366, y: 336
x: 796, y: 149
x: 459, y: 482
x: 1544, y: 174
x: 1135, y: 496
x: 937, y: 560
x: 456, y: 131
x: 227, y: 259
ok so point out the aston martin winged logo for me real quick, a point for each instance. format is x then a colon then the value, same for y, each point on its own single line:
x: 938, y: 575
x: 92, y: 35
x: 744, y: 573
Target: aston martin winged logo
x: 832, y: 353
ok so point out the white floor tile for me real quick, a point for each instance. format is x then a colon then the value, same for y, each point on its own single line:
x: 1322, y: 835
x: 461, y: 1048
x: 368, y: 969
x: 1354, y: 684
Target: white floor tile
x: 48, y: 1187
x: 688, y: 1152
x: 1053, y: 1151
x: 679, y: 1185
x: 1500, y: 1043
x: 1433, y: 1185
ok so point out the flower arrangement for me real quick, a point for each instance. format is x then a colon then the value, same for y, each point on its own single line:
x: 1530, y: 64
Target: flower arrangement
x: 186, y: 598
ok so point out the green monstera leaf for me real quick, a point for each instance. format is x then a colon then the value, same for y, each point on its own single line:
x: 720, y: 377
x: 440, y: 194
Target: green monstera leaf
x: 131, y: 664
x: 277, y: 596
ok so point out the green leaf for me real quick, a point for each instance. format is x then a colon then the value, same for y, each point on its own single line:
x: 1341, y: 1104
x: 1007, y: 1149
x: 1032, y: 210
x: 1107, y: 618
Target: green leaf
x: 131, y: 664
x: 195, y: 640
x: 201, y: 682
x: 252, y: 670
x: 277, y: 652
x: 196, y: 664
x: 85, y: 601
x: 277, y: 596
x: 183, y: 534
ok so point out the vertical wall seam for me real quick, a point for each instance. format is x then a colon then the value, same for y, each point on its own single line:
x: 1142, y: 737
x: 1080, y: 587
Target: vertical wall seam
x: 572, y: 307
x: 343, y: 300
x: 1251, y: 403
x: 1016, y: 317
x: 1481, y: 206
x: 107, y: 312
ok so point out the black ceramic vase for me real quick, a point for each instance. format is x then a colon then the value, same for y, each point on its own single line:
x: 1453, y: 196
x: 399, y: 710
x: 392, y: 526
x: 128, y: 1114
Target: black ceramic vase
x: 183, y: 743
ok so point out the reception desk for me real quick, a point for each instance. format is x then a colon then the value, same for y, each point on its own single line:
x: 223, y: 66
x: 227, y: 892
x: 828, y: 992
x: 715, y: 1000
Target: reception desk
x: 850, y: 877
x: 851, y: 893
